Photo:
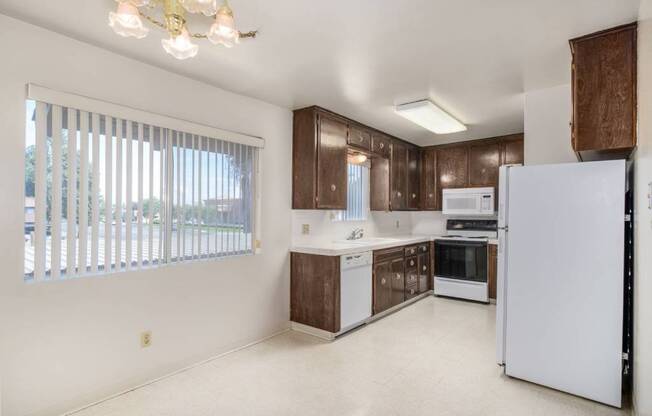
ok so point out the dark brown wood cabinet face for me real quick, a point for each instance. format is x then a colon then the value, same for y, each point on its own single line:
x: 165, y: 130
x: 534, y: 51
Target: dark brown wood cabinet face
x: 399, y: 173
x: 398, y: 281
x: 382, y: 286
x: 512, y: 152
x: 413, y: 191
x: 428, y: 180
x: 359, y: 137
x: 315, y: 291
x: 379, y: 184
x: 331, y: 163
x: 484, y: 161
x: 604, y: 93
x: 452, y: 168
x: 381, y: 145
x: 424, y: 271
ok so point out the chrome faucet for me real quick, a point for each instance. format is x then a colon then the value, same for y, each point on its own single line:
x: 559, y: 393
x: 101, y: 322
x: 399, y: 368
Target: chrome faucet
x: 356, y: 234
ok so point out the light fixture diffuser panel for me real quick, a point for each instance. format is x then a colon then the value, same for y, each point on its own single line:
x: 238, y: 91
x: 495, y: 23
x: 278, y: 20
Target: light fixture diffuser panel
x: 427, y: 115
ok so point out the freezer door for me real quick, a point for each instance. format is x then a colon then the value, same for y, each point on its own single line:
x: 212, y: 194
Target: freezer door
x: 564, y: 288
x: 500, y: 296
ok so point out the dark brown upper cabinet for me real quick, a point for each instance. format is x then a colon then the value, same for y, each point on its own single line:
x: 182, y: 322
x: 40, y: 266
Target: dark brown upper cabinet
x: 413, y: 177
x: 379, y: 180
x: 399, y: 176
x: 428, y: 179
x: 360, y: 137
x: 319, y: 160
x: 604, y: 93
x: 484, y: 161
x: 453, y: 166
x: 512, y: 152
x: 381, y: 145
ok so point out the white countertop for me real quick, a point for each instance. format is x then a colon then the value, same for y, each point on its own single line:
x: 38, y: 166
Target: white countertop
x: 343, y: 247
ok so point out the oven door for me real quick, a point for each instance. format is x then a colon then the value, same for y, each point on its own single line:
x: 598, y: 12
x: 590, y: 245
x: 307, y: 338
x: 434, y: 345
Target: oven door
x: 461, y: 260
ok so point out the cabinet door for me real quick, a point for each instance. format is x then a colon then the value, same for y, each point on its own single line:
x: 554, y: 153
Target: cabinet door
x: 379, y: 184
x: 513, y: 150
x: 398, y: 168
x: 381, y: 145
x: 424, y: 271
x: 411, y: 271
x: 484, y: 161
x: 331, y: 164
x: 413, y: 155
x: 452, y: 169
x: 382, y: 286
x: 398, y: 282
x: 604, y: 90
x: 359, y: 137
x: 428, y: 180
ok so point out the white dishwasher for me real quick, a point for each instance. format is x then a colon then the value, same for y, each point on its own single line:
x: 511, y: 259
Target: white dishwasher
x: 355, y: 289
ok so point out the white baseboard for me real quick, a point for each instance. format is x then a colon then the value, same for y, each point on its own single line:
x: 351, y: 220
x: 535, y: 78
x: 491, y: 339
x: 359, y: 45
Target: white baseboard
x: 190, y: 367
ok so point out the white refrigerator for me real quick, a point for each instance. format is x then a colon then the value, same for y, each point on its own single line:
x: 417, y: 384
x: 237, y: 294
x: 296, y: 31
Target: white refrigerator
x: 559, y: 315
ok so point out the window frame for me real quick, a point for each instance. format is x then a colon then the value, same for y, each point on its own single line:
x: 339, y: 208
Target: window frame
x: 344, y: 216
x: 116, y: 111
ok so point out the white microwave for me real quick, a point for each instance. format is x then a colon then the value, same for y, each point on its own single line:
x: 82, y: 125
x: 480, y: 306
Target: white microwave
x: 468, y: 201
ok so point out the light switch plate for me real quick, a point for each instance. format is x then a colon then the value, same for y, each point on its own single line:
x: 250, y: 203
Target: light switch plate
x: 305, y: 229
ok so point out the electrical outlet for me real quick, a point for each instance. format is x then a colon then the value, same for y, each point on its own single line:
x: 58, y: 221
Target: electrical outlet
x: 305, y: 229
x: 145, y: 339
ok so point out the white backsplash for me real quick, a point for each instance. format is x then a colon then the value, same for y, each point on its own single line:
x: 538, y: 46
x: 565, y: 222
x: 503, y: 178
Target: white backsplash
x: 324, y: 228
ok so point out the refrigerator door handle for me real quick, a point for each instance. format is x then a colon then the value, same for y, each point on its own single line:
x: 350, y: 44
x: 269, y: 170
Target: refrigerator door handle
x: 501, y: 291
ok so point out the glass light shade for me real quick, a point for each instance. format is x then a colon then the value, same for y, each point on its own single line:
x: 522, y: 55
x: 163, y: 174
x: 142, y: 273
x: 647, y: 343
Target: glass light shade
x: 206, y: 7
x: 223, y: 31
x: 180, y: 46
x: 126, y: 21
x: 428, y: 115
x: 357, y: 158
x: 137, y: 3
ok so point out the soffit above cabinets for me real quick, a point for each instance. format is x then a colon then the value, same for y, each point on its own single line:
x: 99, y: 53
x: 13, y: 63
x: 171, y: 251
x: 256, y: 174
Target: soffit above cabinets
x: 474, y: 59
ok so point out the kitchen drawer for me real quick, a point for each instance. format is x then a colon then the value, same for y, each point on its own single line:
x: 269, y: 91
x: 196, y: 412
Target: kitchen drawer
x: 411, y: 251
x: 411, y: 277
x: 388, y: 254
x: 411, y: 291
x: 360, y: 138
x: 411, y: 263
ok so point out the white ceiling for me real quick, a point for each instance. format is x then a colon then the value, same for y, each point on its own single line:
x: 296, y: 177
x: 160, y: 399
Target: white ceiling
x: 475, y: 58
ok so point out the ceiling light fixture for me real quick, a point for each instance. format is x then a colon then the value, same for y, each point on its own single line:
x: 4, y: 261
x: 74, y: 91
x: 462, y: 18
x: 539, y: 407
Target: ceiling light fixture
x: 357, y: 158
x: 126, y: 21
x: 428, y: 115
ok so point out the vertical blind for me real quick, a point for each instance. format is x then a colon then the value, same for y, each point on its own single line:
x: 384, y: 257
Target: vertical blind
x: 105, y: 194
x: 357, y: 201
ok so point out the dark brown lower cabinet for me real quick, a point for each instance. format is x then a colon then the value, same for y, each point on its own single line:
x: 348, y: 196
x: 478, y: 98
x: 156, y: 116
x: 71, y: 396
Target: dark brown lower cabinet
x: 398, y: 281
x: 411, y: 277
x: 493, y: 270
x: 315, y: 291
x: 424, y: 271
x: 382, y: 286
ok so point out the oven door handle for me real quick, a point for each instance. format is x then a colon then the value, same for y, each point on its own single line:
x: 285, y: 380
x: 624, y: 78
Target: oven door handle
x: 461, y: 243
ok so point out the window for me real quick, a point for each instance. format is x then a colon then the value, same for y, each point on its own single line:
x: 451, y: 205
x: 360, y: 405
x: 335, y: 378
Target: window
x: 105, y: 194
x: 357, y: 197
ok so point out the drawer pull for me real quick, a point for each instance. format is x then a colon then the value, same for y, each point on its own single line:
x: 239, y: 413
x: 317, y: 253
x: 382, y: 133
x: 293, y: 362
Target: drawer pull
x: 398, y: 276
x: 411, y: 262
x: 333, y: 187
x: 424, y: 268
x: 381, y: 145
x: 414, y: 196
x: 383, y: 281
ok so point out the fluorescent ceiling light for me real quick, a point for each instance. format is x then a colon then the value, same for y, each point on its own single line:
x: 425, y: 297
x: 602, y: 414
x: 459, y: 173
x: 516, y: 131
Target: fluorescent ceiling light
x: 426, y: 114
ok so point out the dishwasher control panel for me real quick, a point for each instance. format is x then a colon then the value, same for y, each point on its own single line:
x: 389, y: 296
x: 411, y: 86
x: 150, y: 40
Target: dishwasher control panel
x: 356, y: 260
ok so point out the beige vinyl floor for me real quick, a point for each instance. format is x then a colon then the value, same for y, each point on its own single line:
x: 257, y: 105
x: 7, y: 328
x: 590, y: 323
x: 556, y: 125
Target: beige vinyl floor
x: 435, y: 357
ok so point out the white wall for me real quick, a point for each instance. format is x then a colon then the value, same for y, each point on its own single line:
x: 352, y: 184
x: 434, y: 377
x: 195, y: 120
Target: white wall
x: 643, y: 224
x: 65, y: 344
x: 547, y: 116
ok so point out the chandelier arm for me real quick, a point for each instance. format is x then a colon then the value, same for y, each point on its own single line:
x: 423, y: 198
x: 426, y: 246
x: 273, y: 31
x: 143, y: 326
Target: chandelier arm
x: 153, y: 20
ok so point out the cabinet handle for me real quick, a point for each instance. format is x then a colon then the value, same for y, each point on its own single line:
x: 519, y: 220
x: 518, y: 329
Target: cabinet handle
x: 360, y: 139
x: 424, y: 268
x: 333, y: 187
x: 398, y: 194
x: 381, y: 145
x: 430, y: 195
x: 411, y: 262
x: 398, y: 276
x: 414, y: 196
x: 383, y: 281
